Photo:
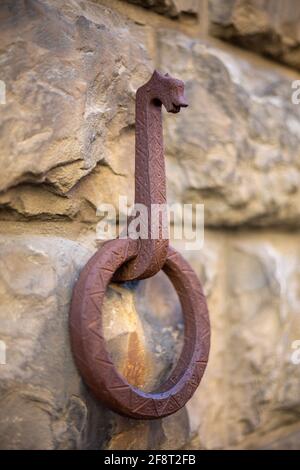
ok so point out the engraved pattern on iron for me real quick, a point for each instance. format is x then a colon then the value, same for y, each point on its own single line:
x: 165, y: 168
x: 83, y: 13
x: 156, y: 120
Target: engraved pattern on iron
x: 150, y: 176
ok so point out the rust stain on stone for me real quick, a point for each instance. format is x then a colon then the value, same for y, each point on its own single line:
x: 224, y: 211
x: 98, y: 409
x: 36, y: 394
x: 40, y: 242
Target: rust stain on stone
x: 136, y: 365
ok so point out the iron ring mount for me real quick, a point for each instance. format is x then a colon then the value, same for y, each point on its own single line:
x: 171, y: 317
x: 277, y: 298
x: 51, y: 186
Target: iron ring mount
x: 126, y: 259
x: 88, y: 342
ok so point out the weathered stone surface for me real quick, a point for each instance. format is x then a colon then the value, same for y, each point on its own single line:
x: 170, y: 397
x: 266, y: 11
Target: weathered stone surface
x: 172, y: 8
x: 145, y: 344
x: 250, y: 394
x: 270, y: 27
x: 250, y: 389
x: 71, y: 75
x: 149, y: 331
x: 44, y: 402
x: 237, y: 151
x: 67, y: 145
x: 290, y: 441
x: 207, y: 407
x: 263, y: 314
x: 83, y: 202
x: 236, y: 148
x: 167, y: 434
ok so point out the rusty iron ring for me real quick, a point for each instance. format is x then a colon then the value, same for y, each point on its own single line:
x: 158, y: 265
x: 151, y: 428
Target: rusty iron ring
x: 88, y: 343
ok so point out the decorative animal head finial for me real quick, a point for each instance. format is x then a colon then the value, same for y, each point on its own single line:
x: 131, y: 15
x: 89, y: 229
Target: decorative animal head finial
x: 168, y: 91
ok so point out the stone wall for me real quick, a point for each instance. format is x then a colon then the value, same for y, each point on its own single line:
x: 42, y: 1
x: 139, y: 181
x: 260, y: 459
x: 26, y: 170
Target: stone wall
x: 71, y: 70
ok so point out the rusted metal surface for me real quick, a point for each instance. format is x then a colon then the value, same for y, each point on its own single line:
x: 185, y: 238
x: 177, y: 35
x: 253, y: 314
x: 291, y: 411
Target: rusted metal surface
x: 127, y: 259
x: 150, y: 177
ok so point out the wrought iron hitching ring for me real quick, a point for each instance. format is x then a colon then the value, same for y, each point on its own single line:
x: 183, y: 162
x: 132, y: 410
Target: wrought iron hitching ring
x: 88, y: 343
x: 127, y: 259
